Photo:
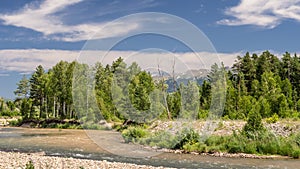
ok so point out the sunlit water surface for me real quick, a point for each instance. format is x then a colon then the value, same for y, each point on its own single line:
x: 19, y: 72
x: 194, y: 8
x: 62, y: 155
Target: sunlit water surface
x: 77, y: 144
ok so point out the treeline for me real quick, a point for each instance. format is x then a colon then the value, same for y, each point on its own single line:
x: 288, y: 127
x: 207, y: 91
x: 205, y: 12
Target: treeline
x: 262, y: 84
x: 9, y: 108
x: 47, y: 94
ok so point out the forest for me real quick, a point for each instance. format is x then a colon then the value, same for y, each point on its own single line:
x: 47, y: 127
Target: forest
x: 263, y: 84
x: 257, y: 87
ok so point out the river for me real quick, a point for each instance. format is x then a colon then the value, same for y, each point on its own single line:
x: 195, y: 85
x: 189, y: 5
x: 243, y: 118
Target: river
x: 78, y: 144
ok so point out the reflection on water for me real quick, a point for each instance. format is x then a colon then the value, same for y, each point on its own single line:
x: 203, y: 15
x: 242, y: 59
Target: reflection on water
x: 76, y: 143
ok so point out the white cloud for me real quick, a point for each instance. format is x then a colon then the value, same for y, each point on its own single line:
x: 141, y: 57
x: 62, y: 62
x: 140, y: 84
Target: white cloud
x: 25, y: 61
x: 262, y: 13
x: 3, y: 74
x: 28, y: 60
x: 42, y: 18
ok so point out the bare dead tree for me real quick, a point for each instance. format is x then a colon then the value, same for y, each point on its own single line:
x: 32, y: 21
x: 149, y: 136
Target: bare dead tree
x: 173, y: 75
x: 162, y: 89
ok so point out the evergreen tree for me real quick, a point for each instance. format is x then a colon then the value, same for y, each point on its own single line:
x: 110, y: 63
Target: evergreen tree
x: 23, y: 88
x: 37, y: 88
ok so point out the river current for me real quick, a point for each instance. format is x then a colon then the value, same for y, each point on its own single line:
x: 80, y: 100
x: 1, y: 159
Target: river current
x: 78, y: 144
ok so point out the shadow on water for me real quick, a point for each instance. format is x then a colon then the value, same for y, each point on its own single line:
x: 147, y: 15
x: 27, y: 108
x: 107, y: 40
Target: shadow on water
x: 76, y: 144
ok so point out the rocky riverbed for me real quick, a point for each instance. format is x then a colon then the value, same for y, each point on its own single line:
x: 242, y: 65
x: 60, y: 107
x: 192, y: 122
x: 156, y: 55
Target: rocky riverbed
x: 281, y: 128
x: 39, y: 160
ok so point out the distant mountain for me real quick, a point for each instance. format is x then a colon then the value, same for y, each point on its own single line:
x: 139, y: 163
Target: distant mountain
x: 156, y: 74
x: 191, y: 75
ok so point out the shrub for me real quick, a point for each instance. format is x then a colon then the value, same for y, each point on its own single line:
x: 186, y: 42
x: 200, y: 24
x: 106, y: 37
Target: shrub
x: 15, y: 122
x: 197, y: 147
x: 216, y: 140
x: 296, y: 153
x: 250, y: 148
x: 235, y: 146
x: 296, y: 138
x: 272, y: 119
x: 203, y: 114
x: 285, y: 149
x: 214, y: 149
x: 29, y: 165
x: 133, y: 134
x: 236, y: 143
x: 187, y: 136
x: 267, y: 147
x: 254, y: 126
x: 161, y: 139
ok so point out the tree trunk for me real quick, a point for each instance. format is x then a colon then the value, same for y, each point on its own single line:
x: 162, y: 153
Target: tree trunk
x: 54, y: 104
x: 58, y: 107
x: 64, y: 109
x: 41, y: 106
x: 46, y: 107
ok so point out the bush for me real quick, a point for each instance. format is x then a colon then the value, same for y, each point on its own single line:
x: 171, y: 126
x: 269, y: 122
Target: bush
x: 296, y: 138
x: 203, y: 114
x: 250, y: 148
x: 296, y: 153
x: 15, y: 122
x: 272, y: 119
x: 216, y: 140
x: 235, y: 146
x: 254, y: 126
x: 187, y: 136
x: 10, y: 113
x: 133, y: 134
x: 29, y: 165
x: 214, y: 149
x: 285, y: 149
x: 197, y: 147
x: 267, y: 147
x: 161, y: 139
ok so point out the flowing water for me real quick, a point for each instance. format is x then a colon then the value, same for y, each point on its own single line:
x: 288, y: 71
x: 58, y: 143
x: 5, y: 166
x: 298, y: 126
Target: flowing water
x: 77, y: 144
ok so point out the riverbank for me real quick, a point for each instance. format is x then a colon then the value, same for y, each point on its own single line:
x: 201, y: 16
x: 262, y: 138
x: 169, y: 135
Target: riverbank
x: 90, y: 144
x: 222, y: 143
x: 39, y: 160
x: 223, y: 139
x: 222, y: 154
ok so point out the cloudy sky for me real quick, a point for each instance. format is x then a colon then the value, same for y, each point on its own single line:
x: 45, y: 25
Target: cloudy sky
x: 34, y: 32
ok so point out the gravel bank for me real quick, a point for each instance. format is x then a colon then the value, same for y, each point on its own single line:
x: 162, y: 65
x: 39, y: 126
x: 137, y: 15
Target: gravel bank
x: 39, y: 160
x: 281, y: 128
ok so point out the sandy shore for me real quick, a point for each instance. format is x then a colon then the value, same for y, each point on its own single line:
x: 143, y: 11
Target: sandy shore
x: 39, y: 160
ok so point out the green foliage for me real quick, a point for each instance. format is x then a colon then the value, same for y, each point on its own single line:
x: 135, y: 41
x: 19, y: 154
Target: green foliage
x: 161, y: 139
x: 254, y: 126
x: 187, y: 139
x: 263, y: 83
x: 187, y: 136
x: 174, y: 103
x: 203, y: 114
x: 29, y: 165
x: 23, y: 88
x: 272, y: 119
x: 15, y: 122
x: 296, y: 153
x: 189, y: 100
x: 133, y: 134
x: 139, y: 89
x: 197, y: 147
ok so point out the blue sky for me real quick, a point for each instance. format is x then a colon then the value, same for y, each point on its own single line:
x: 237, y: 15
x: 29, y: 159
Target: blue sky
x: 46, y: 31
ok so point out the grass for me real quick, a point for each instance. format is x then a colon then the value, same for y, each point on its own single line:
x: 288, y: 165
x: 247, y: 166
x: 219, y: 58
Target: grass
x: 262, y: 143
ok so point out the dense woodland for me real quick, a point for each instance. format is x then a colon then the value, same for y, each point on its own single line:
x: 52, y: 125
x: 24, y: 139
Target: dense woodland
x: 262, y: 84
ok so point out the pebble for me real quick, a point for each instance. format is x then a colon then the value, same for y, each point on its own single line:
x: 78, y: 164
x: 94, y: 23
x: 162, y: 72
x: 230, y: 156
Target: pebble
x: 12, y: 160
